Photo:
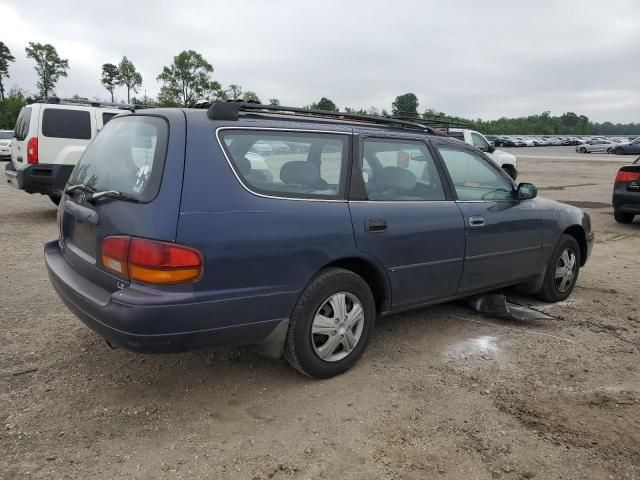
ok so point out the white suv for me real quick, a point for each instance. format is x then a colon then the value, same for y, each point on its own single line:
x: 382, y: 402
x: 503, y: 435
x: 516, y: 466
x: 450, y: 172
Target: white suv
x: 503, y: 159
x: 48, y: 140
x: 5, y: 144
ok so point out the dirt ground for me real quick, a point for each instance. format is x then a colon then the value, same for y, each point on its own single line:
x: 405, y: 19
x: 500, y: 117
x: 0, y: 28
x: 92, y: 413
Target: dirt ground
x: 441, y: 393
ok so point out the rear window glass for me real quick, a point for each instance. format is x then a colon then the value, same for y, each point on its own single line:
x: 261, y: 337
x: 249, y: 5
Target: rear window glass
x: 288, y: 164
x: 126, y: 156
x: 6, y: 135
x: 22, y: 124
x: 61, y: 123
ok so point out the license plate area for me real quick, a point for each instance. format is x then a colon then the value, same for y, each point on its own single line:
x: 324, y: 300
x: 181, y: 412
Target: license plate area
x: 80, y: 237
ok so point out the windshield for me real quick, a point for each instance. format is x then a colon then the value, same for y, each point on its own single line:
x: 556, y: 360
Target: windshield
x: 126, y: 156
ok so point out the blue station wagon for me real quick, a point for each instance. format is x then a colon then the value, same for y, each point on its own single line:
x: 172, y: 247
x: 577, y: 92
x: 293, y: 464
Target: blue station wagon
x: 292, y: 230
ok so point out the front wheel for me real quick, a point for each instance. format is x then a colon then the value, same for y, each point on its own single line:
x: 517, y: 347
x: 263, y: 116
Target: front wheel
x: 583, y: 150
x: 562, y: 271
x: 331, y: 324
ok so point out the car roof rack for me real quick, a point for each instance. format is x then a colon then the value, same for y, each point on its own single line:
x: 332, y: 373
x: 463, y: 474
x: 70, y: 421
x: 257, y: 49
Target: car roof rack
x: 90, y: 103
x: 230, y: 110
x: 440, y: 122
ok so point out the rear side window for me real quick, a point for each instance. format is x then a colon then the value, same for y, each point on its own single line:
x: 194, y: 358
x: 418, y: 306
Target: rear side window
x: 22, y: 124
x: 107, y: 116
x: 288, y: 164
x: 458, y: 135
x: 60, y: 123
x: 126, y: 156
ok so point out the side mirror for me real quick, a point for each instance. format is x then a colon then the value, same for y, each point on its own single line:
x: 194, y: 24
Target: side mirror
x: 526, y: 191
x: 491, y: 148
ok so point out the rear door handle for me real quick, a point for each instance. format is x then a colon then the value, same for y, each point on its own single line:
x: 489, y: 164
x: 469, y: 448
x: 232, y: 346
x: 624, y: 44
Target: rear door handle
x: 375, y: 226
x: 476, y: 222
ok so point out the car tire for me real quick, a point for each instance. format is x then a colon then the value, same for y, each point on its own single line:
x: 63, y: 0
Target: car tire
x: 565, y: 255
x: 618, y: 151
x: 315, y: 312
x: 583, y: 150
x: 623, y: 217
x: 511, y: 171
x: 55, y: 198
x: 609, y: 150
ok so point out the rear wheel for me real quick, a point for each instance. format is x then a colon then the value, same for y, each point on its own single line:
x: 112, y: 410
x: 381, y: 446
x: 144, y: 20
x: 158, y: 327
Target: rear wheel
x: 331, y: 324
x: 54, y: 198
x: 618, y: 151
x: 583, y: 150
x: 562, y: 270
x: 623, y: 217
x: 609, y: 150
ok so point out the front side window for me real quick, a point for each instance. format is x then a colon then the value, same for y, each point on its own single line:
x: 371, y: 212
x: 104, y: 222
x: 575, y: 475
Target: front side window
x: 473, y: 178
x: 60, y: 123
x: 288, y: 164
x: 400, y: 171
x: 127, y: 156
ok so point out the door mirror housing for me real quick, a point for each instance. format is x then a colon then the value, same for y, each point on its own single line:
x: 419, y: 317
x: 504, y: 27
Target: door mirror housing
x: 526, y: 191
x: 491, y: 148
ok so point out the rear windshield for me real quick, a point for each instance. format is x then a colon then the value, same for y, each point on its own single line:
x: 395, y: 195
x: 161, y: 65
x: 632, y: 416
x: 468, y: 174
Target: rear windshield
x: 126, y: 156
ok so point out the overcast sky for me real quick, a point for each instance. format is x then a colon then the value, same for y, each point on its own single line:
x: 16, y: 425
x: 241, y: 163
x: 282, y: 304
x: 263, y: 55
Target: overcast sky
x: 476, y: 59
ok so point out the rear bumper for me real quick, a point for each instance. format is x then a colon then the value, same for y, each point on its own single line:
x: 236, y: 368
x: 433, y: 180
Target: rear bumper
x: 151, y: 326
x: 39, y: 178
x: 627, y: 202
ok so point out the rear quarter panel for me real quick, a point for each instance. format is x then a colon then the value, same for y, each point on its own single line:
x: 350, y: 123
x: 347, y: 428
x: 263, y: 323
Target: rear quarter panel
x: 259, y: 252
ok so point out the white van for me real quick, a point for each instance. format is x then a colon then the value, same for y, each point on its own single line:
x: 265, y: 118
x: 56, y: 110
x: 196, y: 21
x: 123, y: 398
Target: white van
x: 49, y: 138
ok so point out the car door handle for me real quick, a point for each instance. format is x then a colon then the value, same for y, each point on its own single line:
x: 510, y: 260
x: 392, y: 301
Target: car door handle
x: 476, y: 222
x: 375, y: 226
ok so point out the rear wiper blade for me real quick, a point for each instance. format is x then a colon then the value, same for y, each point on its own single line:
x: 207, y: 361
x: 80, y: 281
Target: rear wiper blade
x: 79, y: 186
x: 112, y: 194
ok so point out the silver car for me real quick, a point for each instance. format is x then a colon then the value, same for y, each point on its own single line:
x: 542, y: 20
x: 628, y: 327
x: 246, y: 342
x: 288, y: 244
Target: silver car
x: 596, y: 146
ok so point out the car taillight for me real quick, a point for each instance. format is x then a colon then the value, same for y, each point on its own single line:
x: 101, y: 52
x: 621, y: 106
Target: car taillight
x: 626, y: 177
x: 151, y: 261
x: 32, y: 150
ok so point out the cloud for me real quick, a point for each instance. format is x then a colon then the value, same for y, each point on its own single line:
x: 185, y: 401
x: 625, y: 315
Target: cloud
x: 475, y: 59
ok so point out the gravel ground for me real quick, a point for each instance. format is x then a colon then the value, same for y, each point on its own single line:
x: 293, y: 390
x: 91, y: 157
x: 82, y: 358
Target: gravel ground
x: 441, y: 393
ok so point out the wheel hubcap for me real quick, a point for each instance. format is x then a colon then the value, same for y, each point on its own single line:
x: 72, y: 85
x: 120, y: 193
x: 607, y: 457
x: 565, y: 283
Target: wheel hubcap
x: 337, y: 326
x: 565, y: 270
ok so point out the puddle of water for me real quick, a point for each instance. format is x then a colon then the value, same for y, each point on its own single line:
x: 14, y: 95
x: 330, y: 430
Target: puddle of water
x: 474, y: 347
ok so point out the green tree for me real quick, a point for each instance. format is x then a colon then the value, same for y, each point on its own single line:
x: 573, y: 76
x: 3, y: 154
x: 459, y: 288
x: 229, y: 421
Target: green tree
x: 324, y: 104
x: 405, y: 105
x: 188, y: 78
x: 250, y: 96
x: 274, y: 101
x: 110, y: 77
x: 49, y: 66
x: 5, y: 58
x: 10, y: 107
x: 129, y: 77
x: 234, y: 92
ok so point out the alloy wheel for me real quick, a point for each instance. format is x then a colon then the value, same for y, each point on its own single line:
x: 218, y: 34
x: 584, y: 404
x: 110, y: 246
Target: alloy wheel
x: 565, y: 270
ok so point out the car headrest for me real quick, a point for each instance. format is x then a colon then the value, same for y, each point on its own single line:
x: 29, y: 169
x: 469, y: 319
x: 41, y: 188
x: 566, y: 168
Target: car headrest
x: 244, y: 165
x: 300, y: 172
x: 397, y: 178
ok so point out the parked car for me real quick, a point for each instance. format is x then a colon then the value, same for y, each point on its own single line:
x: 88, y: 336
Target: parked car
x: 630, y: 147
x: 190, y: 249
x: 626, y: 193
x: 5, y: 144
x: 596, y: 146
x: 49, y: 138
x: 505, y: 160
